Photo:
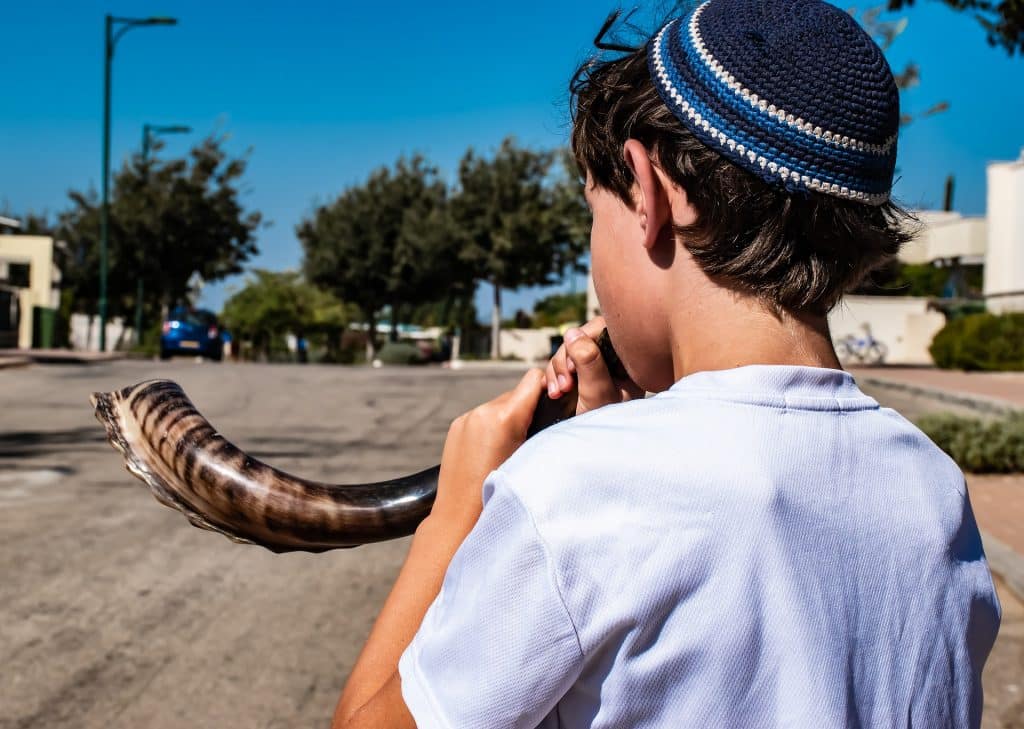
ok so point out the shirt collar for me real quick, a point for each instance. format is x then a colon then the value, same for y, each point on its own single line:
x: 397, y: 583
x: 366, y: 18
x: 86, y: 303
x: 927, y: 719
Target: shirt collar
x: 786, y: 386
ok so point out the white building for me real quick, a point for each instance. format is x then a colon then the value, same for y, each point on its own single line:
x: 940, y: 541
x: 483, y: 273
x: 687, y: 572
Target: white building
x: 29, y: 291
x: 946, y: 236
x: 1004, y: 257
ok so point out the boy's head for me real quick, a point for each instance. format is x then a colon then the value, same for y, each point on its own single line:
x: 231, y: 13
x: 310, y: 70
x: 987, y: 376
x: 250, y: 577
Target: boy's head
x: 766, y: 129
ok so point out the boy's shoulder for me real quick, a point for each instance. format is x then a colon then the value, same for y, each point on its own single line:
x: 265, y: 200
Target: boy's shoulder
x: 610, y: 455
x: 716, y: 445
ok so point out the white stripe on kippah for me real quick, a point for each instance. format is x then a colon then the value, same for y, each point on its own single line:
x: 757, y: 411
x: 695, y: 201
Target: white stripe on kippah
x: 770, y: 109
x: 724, y: 141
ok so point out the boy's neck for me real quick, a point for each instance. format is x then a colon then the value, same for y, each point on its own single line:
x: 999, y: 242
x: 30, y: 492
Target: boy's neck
x: 744, y: 332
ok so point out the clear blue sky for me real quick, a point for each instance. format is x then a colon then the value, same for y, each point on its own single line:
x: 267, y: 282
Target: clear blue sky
x: 323, y: 92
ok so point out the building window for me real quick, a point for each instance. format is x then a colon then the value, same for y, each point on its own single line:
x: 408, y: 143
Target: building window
x: 19, y: 274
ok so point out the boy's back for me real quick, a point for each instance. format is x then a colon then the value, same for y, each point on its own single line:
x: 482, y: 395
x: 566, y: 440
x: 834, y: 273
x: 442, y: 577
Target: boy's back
x: 762, y: 546
x: 759, y: 545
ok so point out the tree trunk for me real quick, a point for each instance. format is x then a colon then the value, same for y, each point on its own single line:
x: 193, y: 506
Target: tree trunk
x: 394, y: 323
x: 120, y: 337
x: 165, y: 307
x: 496, y: 323
x: 371, y: 338
x: 456, y: 345
x: 334, y: 345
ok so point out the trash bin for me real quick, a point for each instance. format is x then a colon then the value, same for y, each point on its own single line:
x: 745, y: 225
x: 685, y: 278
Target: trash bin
x: 44, y: 327
x: 556, y: 342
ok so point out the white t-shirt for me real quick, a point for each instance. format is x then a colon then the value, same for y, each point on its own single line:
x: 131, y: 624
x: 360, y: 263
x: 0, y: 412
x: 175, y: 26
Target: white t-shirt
x: 756, y: 547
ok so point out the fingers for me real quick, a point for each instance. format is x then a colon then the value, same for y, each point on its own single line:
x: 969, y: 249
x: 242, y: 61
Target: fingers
x: 596, y: 387
x: 559, y: 372
x: 594, y: 327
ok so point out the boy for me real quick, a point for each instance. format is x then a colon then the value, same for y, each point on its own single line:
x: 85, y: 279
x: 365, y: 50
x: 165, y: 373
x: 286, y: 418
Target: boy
x: 758, y: 544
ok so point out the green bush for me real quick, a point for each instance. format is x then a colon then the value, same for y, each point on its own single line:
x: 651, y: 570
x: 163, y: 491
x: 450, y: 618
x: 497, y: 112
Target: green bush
x: 150, y: 344
x: 400, y: 353
x: 981, y: 342
x: 977, y: 446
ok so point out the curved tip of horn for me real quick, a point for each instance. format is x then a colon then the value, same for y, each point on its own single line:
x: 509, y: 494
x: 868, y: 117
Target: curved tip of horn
x: 105, y: 406
x: 114, y: 413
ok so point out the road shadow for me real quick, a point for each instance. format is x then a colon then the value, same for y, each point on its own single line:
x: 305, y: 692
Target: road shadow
x: 31, y: 443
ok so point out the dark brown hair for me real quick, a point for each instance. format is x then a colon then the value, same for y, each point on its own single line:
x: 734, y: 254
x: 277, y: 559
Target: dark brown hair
x: 797, y: 251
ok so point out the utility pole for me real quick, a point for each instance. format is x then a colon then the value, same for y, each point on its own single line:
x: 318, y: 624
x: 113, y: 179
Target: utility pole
x: 148, y: 130
x: 110, y: 39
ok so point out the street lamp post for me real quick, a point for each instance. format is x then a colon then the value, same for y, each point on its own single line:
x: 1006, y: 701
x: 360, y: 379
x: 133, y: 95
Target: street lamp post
x: 110, y: 40
x: 148, y: 131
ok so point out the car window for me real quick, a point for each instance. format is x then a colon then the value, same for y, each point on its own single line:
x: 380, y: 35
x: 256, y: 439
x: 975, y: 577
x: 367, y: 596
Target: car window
x: 199, y: 317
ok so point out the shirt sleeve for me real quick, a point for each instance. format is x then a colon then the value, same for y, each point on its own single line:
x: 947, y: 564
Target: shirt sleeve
x: 497, y: 647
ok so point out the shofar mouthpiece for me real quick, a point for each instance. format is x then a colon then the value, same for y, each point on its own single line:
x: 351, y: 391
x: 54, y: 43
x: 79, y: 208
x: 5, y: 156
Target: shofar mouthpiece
x: 189, y: 466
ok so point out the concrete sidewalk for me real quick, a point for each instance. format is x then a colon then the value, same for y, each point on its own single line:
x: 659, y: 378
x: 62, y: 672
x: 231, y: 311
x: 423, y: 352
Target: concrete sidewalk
x: 998, y: 503
x: 991, y: 392
x: 59, y: 356
x: 8, y: 362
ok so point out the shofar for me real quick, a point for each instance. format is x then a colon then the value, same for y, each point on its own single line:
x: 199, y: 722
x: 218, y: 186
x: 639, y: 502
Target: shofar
x: 191, y: 467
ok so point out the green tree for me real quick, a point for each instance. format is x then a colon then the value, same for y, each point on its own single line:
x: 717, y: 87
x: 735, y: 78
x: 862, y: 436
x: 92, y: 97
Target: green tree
x: 275, y: 303
x: 556, y: 309
x: 896, y: 278
x: 426, y: 266
x: 387, y: 242
x: 169, y: 220
x: 519, y: 225
x: 1002, y: 21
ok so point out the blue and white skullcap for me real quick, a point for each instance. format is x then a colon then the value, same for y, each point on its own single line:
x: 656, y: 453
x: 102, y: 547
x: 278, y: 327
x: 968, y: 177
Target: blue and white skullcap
x: 793, y: 90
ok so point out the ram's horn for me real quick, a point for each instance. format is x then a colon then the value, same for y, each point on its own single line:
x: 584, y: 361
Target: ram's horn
x: 191, y: 467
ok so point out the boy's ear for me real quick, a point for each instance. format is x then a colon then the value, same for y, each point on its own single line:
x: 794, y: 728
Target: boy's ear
x: 652, y: 207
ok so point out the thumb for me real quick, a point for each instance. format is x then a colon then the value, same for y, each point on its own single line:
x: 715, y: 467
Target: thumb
x: 595, y: 384
x: 521, y: 401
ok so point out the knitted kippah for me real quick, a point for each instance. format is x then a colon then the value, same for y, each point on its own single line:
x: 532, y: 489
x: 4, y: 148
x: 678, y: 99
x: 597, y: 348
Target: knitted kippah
x: 793, y: 90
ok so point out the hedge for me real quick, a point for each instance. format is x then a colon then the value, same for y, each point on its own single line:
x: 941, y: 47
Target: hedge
x: 400, y: 353
x: 977, y: 446
x: 981, y: 342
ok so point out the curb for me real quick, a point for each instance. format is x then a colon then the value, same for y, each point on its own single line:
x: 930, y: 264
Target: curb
x: 60, y: 356
x: 980, y: 403
x: 1005, y: 562
x: 12, y: 362
x: 490, y: 364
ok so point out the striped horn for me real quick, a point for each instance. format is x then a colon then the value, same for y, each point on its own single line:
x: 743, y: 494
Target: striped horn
x: 191, y: 467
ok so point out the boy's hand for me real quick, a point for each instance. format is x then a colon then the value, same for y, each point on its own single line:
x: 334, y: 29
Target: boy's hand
x: 579, y: 354
x: 478, y: 442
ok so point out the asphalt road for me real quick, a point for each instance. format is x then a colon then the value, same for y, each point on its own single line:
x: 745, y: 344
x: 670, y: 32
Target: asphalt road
x: 115, y: 612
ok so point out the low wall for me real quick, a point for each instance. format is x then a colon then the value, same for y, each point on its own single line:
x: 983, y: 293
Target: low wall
x: 903, y: 323
x: 85, y: 333
x: 530, y: 345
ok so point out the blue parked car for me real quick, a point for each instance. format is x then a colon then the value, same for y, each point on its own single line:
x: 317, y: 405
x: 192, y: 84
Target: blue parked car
x: 191, y: 331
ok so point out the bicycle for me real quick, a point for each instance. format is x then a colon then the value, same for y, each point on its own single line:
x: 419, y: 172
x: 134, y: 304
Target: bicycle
x: 866, y: 350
